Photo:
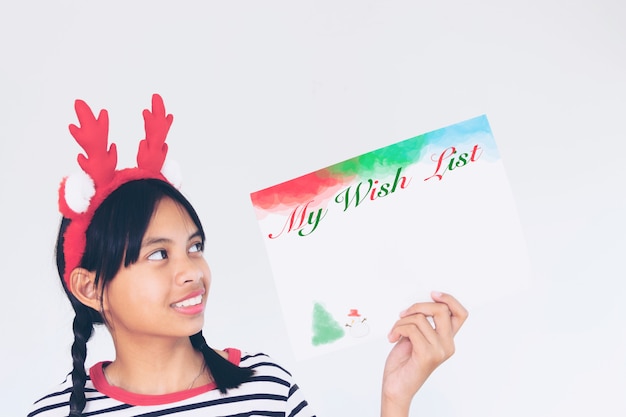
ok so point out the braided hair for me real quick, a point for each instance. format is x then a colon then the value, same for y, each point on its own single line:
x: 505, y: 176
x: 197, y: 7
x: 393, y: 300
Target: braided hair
x: 114, y: 238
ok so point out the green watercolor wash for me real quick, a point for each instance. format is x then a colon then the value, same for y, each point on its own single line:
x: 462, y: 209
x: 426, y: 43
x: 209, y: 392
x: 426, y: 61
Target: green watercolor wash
x: 383, y: 160
x: 325, y: 328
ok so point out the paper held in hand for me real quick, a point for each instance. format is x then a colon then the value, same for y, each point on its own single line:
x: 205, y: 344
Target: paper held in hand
x: 352, y: 244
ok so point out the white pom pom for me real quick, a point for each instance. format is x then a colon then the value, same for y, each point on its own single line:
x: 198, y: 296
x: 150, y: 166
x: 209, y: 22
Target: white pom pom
x: 79, y: 188
x: 171, y: 171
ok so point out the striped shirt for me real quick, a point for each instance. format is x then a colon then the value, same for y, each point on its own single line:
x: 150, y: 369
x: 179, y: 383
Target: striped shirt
x: 270, y: 392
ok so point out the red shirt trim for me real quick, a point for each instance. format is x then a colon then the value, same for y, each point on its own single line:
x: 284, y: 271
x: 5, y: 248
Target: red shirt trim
x: 96, y: 374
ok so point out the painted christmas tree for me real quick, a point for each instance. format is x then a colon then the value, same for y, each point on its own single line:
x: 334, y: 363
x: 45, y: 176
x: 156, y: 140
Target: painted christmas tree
x: 325, y: 328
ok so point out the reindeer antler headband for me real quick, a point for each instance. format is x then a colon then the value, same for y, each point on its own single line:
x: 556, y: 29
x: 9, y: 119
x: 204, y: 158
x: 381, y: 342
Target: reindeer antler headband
x: 82, y: 193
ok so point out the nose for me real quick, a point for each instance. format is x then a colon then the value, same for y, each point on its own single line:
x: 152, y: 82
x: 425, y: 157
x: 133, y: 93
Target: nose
x: 188, y: 271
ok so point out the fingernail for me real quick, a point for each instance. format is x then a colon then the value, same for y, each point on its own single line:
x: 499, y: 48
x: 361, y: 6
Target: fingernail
x: 436, y: 294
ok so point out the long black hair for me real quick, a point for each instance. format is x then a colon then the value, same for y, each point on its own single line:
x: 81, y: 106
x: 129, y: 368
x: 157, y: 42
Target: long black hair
x: 114, y: 237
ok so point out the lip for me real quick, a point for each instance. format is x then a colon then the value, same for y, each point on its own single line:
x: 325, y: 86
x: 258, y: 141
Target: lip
x: 196, y: 293
x: 190, y: 310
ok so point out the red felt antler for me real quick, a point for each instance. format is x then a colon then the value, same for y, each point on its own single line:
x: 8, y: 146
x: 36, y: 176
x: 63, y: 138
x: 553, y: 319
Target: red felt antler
x: 92, y: 136
x: 80, y: 197
x: 153, y: 149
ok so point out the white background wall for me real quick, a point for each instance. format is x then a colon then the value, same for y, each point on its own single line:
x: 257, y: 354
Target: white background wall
x: 263, y: 91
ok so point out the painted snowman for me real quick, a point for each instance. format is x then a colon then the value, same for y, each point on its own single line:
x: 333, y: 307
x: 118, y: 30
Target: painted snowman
x: 357, y: 324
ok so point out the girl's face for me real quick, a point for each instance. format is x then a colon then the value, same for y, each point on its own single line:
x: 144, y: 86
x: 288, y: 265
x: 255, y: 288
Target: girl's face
x: 164, y: 293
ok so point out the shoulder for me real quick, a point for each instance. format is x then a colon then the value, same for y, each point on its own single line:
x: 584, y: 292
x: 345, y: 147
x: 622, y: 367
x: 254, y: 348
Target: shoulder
x: 262, y: 362
x: 268, y: 371
x: 269, y: 375
x: 271, y: 388
x: 274, y: 382
x: 55, y: 402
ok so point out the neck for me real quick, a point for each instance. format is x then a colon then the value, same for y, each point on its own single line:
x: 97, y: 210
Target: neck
x: 157, y: 368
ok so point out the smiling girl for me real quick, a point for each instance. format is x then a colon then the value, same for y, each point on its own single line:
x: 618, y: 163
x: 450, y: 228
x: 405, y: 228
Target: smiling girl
x: 130, y: 256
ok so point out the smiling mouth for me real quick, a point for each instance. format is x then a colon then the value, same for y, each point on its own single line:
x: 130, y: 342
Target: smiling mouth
x: 189, y: 302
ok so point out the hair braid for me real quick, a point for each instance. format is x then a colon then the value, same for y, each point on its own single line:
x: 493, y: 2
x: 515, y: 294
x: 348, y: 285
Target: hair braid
x: 83, y: 329
x: 225, y: 374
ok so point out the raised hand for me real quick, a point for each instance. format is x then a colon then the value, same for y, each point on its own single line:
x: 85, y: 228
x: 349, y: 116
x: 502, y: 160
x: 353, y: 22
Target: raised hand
x: 420, y: 347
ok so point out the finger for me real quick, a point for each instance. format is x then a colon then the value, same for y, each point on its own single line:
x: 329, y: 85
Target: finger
x: 408, y: 327
x: 426, y: 328
x: 426, y: 308
x: 425, y: 342
x: 439, y: 312
x: 417, y: 321
x: 458, y: 313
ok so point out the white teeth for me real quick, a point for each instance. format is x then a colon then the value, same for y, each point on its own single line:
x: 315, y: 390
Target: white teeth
x: 189, y: 302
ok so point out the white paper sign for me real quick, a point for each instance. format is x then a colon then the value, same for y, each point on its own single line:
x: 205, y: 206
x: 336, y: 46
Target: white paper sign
x: 352, y: 244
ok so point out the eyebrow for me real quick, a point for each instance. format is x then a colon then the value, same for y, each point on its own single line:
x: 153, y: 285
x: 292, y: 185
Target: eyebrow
x: 161, y: 240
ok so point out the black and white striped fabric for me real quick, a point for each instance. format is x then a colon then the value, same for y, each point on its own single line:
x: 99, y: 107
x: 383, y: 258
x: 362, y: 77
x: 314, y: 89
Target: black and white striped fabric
x: 270, y: 392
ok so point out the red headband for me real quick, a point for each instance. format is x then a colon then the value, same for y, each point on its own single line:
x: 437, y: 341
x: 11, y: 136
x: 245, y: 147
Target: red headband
x: 82, y: 193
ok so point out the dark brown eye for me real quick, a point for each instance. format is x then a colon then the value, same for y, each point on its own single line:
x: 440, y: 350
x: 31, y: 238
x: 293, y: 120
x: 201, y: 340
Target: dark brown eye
x: 158, y: 255
x: 196, y: 247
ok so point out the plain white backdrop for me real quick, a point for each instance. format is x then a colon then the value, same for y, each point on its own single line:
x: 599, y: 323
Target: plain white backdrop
x: 263, y: 91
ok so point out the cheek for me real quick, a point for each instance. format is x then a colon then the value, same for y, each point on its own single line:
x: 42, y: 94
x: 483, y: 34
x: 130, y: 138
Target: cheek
x: 206, y: 271
x: 124, y: 297
x: 207, y: 285
x: 148, y: 296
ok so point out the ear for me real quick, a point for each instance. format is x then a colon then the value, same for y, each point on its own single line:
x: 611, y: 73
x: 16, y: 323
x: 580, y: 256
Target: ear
x: 84, y: 288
